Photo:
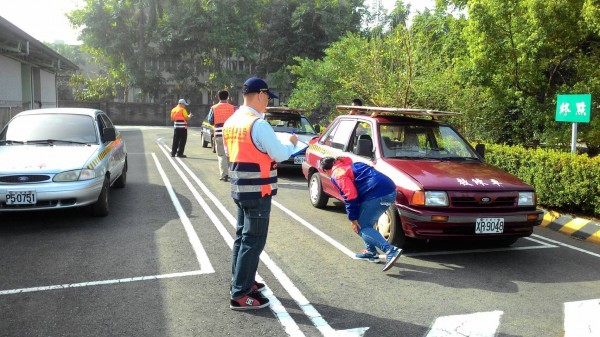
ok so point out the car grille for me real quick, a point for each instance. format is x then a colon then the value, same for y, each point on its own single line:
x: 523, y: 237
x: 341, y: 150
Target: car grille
x: 477, y: 202
x: 24, y: 178
x: 44, y: 203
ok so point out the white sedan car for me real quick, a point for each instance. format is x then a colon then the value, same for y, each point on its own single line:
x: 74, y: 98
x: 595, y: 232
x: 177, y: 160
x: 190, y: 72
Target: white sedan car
x: 60, y: 158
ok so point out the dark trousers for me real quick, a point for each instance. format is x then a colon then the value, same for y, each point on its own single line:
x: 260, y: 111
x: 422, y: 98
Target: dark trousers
x: 179, y: 140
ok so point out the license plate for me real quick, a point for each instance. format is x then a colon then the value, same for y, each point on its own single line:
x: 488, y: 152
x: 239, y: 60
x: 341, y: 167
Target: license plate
x: 489, y: 225
x: 21, y: 198
x: 299, y: 159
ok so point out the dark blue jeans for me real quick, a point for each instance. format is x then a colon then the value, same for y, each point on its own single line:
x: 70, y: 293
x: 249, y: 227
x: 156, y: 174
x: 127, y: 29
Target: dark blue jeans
x: 369, y: 213
x: 250, y: 238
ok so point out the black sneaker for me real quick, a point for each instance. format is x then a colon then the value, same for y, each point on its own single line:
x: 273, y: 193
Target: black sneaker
x: 252, y: 301
x: 257, y: 286
x: 181, y: 156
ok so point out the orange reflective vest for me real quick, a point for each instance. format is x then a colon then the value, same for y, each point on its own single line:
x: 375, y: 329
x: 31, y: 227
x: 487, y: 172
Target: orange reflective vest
x: 179, y: 116
x: 221, y: 112
x: 253, y: 173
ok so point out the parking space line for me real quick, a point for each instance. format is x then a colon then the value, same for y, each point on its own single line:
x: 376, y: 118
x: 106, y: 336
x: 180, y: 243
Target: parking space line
x: 201, y: 255
x: 566, y: 245
x: 103, y: 282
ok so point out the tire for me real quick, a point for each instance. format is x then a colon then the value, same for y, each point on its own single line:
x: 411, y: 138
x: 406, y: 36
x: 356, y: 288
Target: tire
x: 390, y: 226
x: 122, y: 180
x: 100, y: 208
x: 504, y: 242
x: 203, y: 141
x: 318, y: 198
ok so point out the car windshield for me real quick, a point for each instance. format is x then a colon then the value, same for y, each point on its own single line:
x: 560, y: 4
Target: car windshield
x: 290, y: 123
x: 49, y: 129
x: 423, y: 141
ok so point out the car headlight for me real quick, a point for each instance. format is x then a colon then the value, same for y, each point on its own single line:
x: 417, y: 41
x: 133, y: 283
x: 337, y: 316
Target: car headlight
x: 526, y: 199
x: 75, y: 175
x: 430, y: 198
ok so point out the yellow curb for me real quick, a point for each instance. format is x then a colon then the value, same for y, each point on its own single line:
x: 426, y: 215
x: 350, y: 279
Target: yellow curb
x: 594, y: 238
x: 549, y: 217
x: 573, y: 226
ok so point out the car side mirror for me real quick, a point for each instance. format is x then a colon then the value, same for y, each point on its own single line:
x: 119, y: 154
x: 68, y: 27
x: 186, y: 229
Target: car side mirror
x: 318, y: 128
x: 480, y: 149
x: 110, y: 134
x: 364, y: 147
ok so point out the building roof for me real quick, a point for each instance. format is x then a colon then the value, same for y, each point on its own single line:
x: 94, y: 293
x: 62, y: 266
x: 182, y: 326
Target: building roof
x: 20, y: 46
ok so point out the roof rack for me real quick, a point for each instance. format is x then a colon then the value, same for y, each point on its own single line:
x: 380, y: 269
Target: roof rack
x: 285, y: 109
x: 397, y: 111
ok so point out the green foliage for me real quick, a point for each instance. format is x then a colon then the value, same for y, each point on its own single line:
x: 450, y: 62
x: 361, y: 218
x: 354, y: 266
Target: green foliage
x: 563, y: 181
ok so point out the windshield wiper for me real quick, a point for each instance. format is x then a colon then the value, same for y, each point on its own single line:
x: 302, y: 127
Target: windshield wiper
x: 8, y: 141
x: 458, y: 158
x: 52, y: 141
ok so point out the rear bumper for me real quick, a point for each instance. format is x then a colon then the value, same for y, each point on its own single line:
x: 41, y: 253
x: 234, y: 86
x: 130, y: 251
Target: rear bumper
x: 462, y: 225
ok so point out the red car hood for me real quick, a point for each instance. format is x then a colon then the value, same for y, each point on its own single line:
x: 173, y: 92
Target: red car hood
x: 456, y: 175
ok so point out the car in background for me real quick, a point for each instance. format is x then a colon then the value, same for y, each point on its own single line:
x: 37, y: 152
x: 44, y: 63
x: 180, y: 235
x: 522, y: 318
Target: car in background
x: 445, y: 189
x: 60, y: 158
x: 207, y: 134
x: 286, y: 121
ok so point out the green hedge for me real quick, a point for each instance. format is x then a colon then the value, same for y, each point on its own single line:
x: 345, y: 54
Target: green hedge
x: 563, y: 181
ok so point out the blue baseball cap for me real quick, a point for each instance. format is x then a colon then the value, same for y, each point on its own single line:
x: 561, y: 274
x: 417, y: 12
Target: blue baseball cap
x: 255, y: 84
x: 182, y: 101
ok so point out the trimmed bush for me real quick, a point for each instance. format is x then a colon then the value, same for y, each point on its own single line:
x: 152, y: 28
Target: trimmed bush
x: 563, y: 181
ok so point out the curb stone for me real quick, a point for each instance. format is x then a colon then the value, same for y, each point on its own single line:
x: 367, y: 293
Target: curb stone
x: 579, y: 228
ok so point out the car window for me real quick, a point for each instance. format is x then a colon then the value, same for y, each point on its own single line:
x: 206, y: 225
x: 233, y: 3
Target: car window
x: 431, y: 141
x: 284, y: 123
x: 338, y: 136
x: 363, y: 131
x: 61, y: 127
x: 107, y: 122
x: 306, y: 127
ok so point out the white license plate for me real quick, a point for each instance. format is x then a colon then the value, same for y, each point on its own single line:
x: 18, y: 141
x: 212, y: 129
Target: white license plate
x: 299, y: 159
x: 489, y: 225
x: 21, y: 198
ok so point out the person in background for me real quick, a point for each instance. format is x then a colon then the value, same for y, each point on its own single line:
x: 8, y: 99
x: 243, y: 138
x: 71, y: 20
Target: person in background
x: 355, y: 102
x: 253, y: 150
x: 180, y: 117
x: 217, y: 115
x: 367, y: 194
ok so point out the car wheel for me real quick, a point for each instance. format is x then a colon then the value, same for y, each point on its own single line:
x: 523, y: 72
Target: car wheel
x: 318, y: 198
x: 390, y: 226
x: 504, y: 242
x: 122, y: 180
x: 204, y: 142
x: 100, y: 207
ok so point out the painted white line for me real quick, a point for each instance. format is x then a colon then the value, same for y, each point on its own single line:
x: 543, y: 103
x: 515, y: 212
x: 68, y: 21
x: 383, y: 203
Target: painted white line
x: 104, y: 282
x: 201, y: 255
x: 581, y: 318
x: 481, y: 324
x: 566, y: 245
x: 315, y: 230
x: 318, y: 321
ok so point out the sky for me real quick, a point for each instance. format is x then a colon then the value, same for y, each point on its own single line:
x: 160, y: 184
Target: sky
x: 45, y: 20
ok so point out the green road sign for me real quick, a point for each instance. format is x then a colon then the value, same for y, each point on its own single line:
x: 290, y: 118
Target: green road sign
x: 573, y: 108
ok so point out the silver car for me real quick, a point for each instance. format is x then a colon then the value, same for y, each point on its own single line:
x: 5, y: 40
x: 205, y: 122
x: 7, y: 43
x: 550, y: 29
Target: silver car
x: 60, y: 158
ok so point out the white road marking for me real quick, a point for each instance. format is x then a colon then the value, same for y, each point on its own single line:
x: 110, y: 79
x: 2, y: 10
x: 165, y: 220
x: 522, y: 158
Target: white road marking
x: 481, y: 324
x: 104, y: 282
x: 566, y: 245
x: 201, y: 255
x: 581, y: 318
x: 310, y: 311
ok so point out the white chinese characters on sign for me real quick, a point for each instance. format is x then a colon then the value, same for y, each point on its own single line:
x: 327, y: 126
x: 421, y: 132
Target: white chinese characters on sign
x: 565, y: 109
x: 477, y: 182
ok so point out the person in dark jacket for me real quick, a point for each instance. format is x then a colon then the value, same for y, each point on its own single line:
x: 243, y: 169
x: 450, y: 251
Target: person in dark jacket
x: 367, y: 194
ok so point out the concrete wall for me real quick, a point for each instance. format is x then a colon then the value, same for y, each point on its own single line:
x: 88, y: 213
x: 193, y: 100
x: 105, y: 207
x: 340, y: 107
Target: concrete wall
x: 141, y: 113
